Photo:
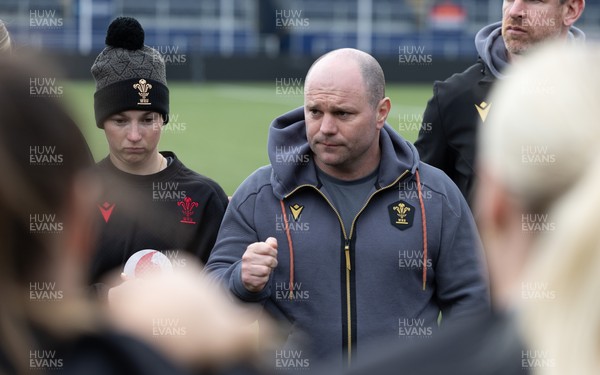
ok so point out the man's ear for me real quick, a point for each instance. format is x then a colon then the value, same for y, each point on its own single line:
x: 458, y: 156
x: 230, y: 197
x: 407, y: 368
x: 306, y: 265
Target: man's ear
x: 572, y: 11
x: 383, y: 110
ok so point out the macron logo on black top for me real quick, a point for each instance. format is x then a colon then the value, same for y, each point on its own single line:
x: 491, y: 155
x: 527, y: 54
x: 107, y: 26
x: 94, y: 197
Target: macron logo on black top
x: 106, y: 210
x: 483, y: 109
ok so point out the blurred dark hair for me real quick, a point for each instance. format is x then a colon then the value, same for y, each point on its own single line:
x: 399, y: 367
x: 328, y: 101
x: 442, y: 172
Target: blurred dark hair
x: 29, y: 121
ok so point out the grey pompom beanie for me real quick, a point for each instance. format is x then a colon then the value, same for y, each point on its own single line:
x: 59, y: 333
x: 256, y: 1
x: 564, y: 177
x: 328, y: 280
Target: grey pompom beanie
x: 129, y: 75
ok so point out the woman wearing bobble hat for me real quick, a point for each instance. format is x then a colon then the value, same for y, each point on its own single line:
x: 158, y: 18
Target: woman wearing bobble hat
x: 151, y: 200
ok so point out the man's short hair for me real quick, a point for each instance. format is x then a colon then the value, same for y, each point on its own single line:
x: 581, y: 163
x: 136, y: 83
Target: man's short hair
x: 370, y: 70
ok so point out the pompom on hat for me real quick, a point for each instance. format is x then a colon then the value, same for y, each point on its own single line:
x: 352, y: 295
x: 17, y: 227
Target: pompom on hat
x: 129, y: 75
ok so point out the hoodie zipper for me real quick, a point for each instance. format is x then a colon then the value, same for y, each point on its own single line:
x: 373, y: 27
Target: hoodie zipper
x: 348, y: 300
x: 347, y: 240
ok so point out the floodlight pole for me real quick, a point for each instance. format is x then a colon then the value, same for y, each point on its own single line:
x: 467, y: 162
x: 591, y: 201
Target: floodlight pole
x: 364, y: 22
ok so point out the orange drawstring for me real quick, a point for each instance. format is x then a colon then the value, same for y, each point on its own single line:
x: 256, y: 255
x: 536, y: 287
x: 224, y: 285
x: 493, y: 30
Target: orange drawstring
x: 424, y: 223
x: 291, y: 246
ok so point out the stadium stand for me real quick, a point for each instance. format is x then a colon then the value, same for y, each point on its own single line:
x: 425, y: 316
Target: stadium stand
x: 241, y: 27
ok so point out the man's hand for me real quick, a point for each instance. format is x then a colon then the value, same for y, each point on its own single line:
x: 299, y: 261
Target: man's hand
x: 258, y: 262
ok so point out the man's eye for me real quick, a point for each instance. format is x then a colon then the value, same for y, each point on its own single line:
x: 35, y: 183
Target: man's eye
x: 149, y: 120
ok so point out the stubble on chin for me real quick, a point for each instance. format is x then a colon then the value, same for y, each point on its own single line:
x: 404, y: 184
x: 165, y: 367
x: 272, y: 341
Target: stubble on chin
x: 516, y: 50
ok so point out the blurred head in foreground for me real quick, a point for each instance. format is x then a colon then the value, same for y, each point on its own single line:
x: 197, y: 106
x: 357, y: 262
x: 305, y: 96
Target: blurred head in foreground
x: 45, y: 221
x: 539, y: 205
x: 47, y: 230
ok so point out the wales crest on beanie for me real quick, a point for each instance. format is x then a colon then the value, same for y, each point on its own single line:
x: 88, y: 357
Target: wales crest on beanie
x: 129, y: 75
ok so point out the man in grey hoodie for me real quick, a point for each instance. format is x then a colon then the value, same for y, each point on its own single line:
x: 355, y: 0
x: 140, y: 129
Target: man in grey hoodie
x: 346, y: 236
x: 447, y: 138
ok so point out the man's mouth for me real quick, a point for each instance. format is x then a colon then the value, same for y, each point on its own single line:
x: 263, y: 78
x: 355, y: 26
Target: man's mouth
x: 516, y: 30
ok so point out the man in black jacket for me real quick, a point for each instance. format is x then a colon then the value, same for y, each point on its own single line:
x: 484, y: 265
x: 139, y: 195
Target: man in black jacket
x: 459, y: 104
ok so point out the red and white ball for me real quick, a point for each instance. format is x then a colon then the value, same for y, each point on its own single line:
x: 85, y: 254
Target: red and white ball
x: 147, y: 262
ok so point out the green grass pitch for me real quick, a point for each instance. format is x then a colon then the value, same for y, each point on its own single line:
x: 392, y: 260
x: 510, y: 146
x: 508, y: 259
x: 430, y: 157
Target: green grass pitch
x: 220, y: 130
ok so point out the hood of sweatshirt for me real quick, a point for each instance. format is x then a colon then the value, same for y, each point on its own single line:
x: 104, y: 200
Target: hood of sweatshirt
x: 490, y: 47
x: 293, y: 164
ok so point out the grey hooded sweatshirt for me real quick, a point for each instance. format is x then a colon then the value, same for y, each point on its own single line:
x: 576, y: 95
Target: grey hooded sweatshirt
x: 412, y: 251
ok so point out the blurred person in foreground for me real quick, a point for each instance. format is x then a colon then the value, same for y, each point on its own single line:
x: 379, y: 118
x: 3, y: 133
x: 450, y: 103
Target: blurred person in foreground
x: 151, y: 201
x: 47, y: 231
x: 346, y: 236
x: 538, y: 199
x: 447, y: 138
x: 558, y: 138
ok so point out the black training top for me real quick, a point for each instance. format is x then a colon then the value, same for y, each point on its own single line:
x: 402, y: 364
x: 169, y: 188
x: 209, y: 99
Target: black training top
x: 176, y: 211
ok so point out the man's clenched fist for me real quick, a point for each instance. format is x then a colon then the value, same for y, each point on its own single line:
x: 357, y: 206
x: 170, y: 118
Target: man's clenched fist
x: 258, y: 262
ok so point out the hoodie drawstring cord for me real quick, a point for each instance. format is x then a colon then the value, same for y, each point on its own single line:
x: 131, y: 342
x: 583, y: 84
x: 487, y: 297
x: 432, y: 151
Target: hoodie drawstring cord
x: 424, y: 224
x: 291, y: 247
